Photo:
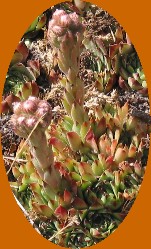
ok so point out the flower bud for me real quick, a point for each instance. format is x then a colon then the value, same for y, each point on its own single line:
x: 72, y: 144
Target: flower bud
x: 29, y: 106
x: 57, y: 14
x: 59, y: 31
x: 31, y: 122
x: 61, y: 23
x: 65, y: 20
x: 21, y: 121
x: 17, y: 107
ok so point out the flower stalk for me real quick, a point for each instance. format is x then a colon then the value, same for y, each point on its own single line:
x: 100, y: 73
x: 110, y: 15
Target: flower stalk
x: 37, y: 113
x: 65, y: 34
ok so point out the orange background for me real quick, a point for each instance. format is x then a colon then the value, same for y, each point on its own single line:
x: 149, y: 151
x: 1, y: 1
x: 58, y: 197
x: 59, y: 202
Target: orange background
x: 15, y: 230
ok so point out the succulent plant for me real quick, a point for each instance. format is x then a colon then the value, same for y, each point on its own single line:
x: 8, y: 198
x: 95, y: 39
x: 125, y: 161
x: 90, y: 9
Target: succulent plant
x: 116, y: 53
x: 105, y: 81
x: 85, y: 171
x: 36, y: 26
x: 98, y: 174
x: 18, y: 74
x: 80, y: 4
x: 30, y: 120
x: 21, y: 53
x: 65, y: 33
x: 24, y: 91
x: 21, y: 78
